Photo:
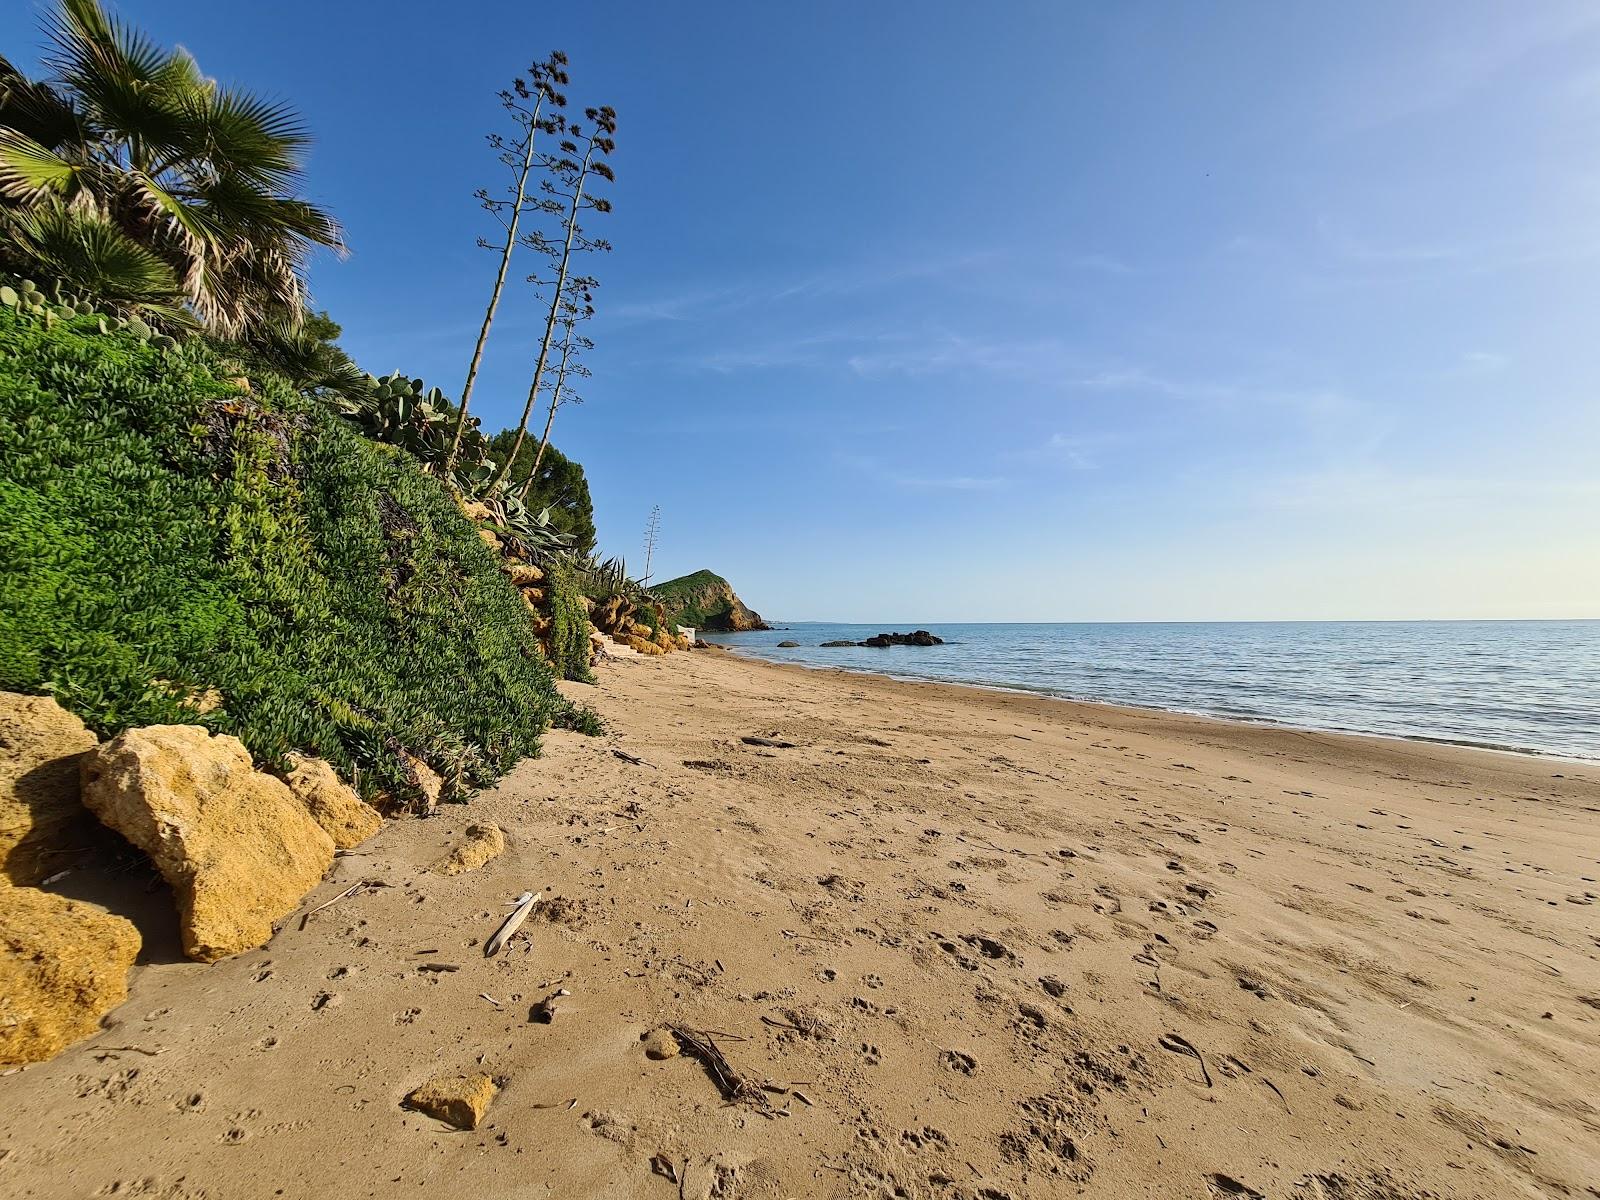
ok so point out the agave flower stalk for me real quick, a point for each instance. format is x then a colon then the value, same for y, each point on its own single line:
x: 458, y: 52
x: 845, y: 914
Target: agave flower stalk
x: 518, y: 154
x: 578, y: 307
x: 565, y: 194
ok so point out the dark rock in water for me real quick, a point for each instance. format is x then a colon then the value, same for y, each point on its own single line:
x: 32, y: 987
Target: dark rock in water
x: 787, y: 645
x: 846, y: 642
x: 920, y: 638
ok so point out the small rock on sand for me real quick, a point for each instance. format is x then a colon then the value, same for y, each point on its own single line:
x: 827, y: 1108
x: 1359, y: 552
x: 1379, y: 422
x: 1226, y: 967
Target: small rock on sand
x: 482, y: 843
x: 455, y: 1099
x: 660, y: 1044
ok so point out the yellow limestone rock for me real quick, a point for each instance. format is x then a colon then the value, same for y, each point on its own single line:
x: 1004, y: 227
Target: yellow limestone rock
x: 235, y: 845
x: 333, y: 804
x: 643, y: 646
x: 459, y: 1100
x: 524, y: 574
x: 482, y: 843
x: 660, y: 1044
x: 428, y: 781
x: 63, y: 965
x: 41, y: 744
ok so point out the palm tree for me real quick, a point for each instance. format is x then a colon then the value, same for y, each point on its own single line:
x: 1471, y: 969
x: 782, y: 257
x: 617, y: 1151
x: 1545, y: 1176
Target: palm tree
x: 129, y: 147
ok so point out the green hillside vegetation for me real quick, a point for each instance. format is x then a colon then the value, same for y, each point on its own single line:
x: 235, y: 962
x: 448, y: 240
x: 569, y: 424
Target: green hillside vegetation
x: 560, y: 487
x: 170, y: 540
x: 704, y: 600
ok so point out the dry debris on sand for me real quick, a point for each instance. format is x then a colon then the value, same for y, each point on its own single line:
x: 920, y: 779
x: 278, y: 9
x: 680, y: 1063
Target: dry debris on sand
x: 943, y: 944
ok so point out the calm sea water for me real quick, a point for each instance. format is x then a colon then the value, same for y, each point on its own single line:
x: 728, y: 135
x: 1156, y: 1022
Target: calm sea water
x: 1513, y: 685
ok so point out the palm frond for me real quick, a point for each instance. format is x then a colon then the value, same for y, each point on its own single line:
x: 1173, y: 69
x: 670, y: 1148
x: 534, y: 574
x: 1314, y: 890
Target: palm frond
x: 36, y: 110
x: 126, y: 78
x: 28, y: 169
x: 252, y: 136
x: 88, y: 253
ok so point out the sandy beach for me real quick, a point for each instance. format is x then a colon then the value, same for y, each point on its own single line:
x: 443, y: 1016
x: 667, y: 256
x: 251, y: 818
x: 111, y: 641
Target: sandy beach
x: 976, y: 945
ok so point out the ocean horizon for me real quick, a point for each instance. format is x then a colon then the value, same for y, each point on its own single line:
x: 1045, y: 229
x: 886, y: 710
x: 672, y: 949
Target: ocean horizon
x: 1524, y: 686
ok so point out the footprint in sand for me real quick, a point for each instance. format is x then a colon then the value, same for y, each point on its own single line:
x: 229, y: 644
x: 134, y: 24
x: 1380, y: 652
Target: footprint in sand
x: 870, y: 1054
x: 1227, y: 1186
x: 959, y: 1062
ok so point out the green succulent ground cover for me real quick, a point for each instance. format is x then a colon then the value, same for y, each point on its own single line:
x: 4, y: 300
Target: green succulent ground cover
x: 164, y: 532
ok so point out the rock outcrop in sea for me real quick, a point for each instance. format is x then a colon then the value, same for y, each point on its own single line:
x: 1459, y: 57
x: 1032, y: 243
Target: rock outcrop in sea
x: 920, y: 637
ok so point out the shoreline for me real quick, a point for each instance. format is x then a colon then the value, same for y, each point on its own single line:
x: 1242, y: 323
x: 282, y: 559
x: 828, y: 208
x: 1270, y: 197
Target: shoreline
x: 979, y: 932
x: 1120, y: 705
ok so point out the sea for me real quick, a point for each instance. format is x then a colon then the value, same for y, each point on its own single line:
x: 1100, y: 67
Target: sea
x: 1525, y: 686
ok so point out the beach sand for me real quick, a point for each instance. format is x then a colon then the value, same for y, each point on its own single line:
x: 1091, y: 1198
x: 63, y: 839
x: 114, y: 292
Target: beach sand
x: 986, y: 945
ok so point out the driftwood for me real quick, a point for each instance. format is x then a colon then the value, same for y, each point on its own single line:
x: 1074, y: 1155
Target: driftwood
x: 632, y: 758
x: 774, y: 743
x: 733, y: 1086
x: 511, y: 924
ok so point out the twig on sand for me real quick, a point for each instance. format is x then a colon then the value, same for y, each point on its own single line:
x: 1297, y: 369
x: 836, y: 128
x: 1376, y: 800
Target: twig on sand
x: 349, y: 891
x: 632, y: 758
x: 773, y: 743
x: 134, y: 1049
x: 733, y: 1086
x: 1181, y: 1045
x: 519, y: 914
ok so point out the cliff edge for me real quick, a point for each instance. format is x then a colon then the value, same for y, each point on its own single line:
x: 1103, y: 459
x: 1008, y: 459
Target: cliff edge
x: 706, y: 601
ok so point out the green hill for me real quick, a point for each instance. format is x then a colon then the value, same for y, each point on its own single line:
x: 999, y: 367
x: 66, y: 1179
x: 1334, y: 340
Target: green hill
x: 706, y: 601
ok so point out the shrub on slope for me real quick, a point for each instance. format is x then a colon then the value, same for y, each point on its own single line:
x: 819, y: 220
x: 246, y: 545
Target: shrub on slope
x: 166, y: 537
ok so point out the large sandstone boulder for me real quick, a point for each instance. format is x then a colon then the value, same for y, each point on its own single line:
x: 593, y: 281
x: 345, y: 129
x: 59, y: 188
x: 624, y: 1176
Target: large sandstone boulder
x: 63, y: 965
x: 333, y: 804
x: 41, y: 744
x: 237, y: 847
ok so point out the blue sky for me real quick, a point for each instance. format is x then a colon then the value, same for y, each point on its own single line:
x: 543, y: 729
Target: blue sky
x: 939, y: 311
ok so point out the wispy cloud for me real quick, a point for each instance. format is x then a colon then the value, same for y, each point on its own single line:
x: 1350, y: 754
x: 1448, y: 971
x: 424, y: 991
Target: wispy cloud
x: 1075, y: 452
x: 715, y: 301
x: 1421, y: 79
x: 1311, y: 401
x: 1481, y: 362
x: 941, y: 353
x: 891, y: 476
